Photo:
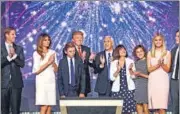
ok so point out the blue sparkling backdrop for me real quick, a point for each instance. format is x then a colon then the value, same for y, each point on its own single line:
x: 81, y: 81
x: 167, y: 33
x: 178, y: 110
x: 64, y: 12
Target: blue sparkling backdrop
x: 128, y: 22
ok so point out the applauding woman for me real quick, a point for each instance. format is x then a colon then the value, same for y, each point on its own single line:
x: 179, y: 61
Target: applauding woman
x: 123, y: 85
x: 158, y: 60
x: 45, y: 66
x: 141, y: 80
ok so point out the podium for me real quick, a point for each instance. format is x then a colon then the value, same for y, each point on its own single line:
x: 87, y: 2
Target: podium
x: 90, y: 102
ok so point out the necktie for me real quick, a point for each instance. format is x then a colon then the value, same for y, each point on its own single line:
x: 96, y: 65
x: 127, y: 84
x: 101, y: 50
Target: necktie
x: 177, y: 66
x: 72, y: 74
x: 109, y: 65
x: 79, y: 51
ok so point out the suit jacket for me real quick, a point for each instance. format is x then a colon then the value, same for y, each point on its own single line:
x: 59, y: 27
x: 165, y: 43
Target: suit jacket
x: 173, y: 54
x: 63, y: 76
x: 102, y: 79
x: 12, y: 68
x: 129, y: 77
x: 86, y: 66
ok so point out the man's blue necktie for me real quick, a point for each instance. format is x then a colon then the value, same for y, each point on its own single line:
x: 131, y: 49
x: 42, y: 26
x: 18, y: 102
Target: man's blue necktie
x: 109, y: 65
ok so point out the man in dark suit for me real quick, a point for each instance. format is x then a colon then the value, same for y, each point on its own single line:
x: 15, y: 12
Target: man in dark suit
x: 85, y: 54
x: 71, y: 74
x: 103, y: 63
x: 12, y: 59
x: 174, y: 84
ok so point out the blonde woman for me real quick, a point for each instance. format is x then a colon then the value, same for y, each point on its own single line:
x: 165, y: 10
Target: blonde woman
x: 158, y: 61
x: 45, y: 66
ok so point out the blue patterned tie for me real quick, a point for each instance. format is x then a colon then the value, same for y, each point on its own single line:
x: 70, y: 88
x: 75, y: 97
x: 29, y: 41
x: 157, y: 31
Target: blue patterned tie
x: 72, y: 74
x: 109, y: 65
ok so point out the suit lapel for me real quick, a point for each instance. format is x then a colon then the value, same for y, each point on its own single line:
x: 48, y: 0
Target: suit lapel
x: 76, y: 68
x: 4, y: 49
x: 174, y: 52
x: 105, y: 58
x: 82, y: 48
x: 15, y: 47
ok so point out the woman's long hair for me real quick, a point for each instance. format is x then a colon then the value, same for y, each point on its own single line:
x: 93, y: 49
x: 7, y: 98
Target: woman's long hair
x: 41, y: 38
x: 153, y: 50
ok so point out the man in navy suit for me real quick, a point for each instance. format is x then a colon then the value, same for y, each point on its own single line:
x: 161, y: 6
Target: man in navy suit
x: 174, y: 84
x: 71, y: 74
x: 103, y: 64
x: 12, y: 60
x: 83, y: 52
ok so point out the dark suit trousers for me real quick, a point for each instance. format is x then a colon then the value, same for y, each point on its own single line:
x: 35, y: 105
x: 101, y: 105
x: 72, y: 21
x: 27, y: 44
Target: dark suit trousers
x: 175, y: 95
x: 72, y: 91
x: 108, y: 90
x: 10, y: 98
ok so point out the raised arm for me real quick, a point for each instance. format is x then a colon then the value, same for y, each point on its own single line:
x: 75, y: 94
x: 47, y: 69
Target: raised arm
x: 114, y: 70
x: 37, y: 68
x: 150, y: 67
x: 20, y: 59
x: 55, y: 64
x: 166, y: 64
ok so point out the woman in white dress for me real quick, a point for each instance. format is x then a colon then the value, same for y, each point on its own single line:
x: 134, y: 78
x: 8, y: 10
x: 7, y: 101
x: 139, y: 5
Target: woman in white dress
x: 45, y: 66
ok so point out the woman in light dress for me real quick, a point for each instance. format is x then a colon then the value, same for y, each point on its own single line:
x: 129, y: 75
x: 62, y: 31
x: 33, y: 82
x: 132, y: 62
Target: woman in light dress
x: 158, y: 61
x: 45, y: 66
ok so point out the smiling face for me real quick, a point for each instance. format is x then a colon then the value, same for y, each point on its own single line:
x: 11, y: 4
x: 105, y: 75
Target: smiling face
x: 140, y: 53
x: 77, y: 39
x: 108, y: 43
x: 122, y: 52
x: 10, y: 37
x: 158, y: 41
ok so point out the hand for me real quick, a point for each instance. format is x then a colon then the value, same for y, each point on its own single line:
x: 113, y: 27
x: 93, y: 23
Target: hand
x: 51, y: 59
x: 92, y: 56
x: 102, y: 59
x: 11, y: 51
x: 63, y: 96
x: 136, y: 73
x: 83, y: 55
x: 131, y: 66
x: 162, y: 60
x: 118, y: 67
x: 81, y: 95
x: 159, y: 63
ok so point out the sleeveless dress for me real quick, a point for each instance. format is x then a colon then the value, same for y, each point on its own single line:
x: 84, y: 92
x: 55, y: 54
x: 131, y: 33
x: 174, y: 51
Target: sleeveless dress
x: 158, y: 85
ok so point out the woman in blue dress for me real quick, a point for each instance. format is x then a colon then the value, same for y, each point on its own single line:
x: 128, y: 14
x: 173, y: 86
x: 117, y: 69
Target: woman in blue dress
x: 123, y: 85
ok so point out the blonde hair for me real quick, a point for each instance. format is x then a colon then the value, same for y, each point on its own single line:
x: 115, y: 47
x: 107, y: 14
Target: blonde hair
x: 153, y: 50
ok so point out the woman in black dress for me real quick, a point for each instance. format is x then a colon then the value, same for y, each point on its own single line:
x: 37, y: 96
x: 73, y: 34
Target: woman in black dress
x: 123, y: 85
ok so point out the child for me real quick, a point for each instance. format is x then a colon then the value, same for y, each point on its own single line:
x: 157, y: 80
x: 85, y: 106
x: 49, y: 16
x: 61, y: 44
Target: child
x: 71, y: 74
x: 141, y: 80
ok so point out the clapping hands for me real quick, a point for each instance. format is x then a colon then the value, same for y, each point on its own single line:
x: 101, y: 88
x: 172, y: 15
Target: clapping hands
x: 51, y: 59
